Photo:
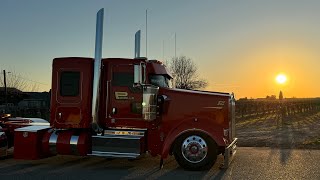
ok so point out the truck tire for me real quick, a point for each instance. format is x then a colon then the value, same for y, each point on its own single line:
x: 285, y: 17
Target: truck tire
x: 195, y: 151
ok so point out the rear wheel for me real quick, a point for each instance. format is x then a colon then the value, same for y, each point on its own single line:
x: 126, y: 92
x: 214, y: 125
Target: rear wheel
x: 195, y: 151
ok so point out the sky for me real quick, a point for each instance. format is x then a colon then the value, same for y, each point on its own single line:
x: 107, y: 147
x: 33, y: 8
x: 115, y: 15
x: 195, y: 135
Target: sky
x: 238, y: 46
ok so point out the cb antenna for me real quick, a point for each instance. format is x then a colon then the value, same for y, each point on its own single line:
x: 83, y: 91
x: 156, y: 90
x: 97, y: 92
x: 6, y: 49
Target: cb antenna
x: 146, y: 33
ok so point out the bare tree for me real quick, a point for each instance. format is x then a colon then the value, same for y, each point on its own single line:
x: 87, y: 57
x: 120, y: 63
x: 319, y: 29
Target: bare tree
x: 15, y: 80
x: 184, y: 72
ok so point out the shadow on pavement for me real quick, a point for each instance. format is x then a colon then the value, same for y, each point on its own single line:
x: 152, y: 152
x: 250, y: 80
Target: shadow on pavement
x: 74, y: 167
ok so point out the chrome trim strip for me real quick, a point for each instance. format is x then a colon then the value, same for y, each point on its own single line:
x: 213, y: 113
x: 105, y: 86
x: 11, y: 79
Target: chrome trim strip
x: 74, y: 144
x: 213, y: 107
x: 53, y: 142
x: 202, y: 92
x: 128, y: 128
x: 124, y: 133
x: 40, y: 124
x: 31, y: 128
x: 118, y: 137
x: 34, y: 120
x: 114, y: 154
x: 127, y: 119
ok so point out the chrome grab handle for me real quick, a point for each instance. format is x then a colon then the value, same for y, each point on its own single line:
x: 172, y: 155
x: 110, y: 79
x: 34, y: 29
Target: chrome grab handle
x: 114, y: 110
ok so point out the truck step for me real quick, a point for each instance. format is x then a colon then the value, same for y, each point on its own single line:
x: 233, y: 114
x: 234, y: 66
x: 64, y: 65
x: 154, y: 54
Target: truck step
x: 119, y: 143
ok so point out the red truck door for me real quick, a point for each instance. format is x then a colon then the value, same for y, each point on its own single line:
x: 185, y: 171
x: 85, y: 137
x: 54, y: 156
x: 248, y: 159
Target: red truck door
x: 71, y: 92
x: 125, y: 99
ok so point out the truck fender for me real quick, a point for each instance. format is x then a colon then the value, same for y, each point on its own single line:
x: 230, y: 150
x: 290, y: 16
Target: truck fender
x: 201, y: 125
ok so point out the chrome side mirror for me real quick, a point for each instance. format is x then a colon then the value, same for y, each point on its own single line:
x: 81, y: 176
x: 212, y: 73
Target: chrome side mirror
x: 139, y: 74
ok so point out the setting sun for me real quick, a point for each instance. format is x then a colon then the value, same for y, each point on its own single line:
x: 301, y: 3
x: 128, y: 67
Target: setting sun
x: 281, y: 78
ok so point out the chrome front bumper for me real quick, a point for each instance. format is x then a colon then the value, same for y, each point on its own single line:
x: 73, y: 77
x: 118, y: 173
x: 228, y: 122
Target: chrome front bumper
x: 229, y: 153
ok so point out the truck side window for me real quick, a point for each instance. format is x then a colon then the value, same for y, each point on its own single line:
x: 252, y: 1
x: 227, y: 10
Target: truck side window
x: 122, y: 79
x: 69, y: 83
x: 159, y: 80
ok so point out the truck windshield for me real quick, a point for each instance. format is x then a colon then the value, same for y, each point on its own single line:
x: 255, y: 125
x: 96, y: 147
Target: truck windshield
x: 160, y: 80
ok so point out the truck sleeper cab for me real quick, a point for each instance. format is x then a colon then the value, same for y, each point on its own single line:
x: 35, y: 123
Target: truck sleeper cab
x: 138, y: 112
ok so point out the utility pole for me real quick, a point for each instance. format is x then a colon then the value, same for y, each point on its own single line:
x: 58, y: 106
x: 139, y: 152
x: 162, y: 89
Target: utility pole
x: 5, y: 86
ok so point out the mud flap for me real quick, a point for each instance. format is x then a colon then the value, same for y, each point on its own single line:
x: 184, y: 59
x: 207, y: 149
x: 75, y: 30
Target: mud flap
x: 3, y: 152
x: 229, y: 154
x: 3, y: 145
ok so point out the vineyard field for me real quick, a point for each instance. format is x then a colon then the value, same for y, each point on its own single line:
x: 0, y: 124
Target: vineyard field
x: 293, y: 123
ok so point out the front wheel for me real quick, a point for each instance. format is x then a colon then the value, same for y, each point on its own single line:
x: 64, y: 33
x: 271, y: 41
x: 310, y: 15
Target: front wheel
x: 195, y: 151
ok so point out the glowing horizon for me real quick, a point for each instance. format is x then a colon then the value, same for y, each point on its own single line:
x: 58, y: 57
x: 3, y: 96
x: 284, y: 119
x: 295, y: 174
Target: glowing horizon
x: 236, y: 47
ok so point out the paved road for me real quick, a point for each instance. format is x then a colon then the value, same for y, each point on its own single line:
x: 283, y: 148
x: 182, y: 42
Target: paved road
x: 250, y: 163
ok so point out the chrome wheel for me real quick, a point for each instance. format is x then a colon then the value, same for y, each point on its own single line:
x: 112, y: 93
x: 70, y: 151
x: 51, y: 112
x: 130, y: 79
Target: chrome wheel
x: 194, y: 149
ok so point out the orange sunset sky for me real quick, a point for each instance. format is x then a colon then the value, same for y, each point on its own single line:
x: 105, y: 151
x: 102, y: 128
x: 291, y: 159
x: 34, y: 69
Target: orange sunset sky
x: 239, y: 46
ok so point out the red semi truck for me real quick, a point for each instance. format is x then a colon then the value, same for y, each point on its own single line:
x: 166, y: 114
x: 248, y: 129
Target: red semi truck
x: 118, y: 107
x: 8, y: 126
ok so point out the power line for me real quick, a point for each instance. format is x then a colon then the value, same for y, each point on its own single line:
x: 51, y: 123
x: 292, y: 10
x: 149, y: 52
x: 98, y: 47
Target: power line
x: 175, y: 45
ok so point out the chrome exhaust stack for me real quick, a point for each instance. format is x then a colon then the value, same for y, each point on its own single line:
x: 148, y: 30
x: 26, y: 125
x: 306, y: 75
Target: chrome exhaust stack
x: 137, y: 44
x: 137, y: 40
x: 97, y: 71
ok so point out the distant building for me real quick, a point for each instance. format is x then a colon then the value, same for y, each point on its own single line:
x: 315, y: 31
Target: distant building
x: 14, y: 95
x: 40, y: 100
x: 32, y: 103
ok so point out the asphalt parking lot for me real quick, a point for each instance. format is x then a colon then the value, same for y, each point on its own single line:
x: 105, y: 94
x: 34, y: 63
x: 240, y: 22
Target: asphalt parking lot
x: 249, y: 163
